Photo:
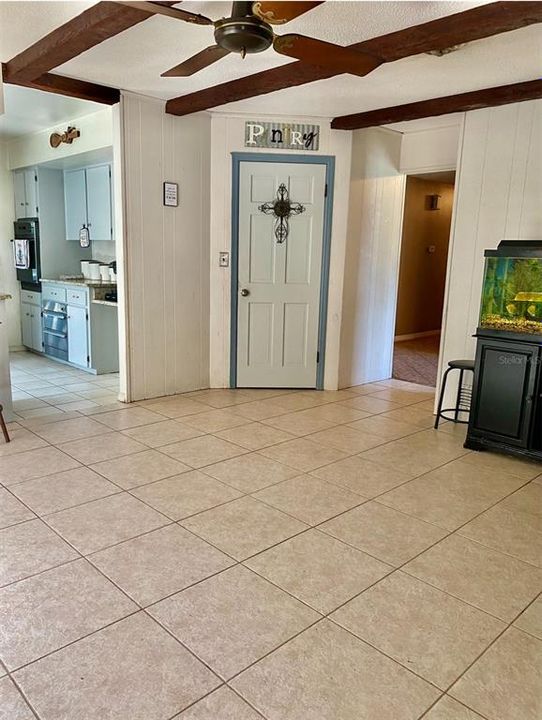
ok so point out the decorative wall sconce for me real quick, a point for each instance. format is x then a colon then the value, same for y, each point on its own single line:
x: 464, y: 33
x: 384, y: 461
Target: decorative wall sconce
x: 432, y: 202
x: 56, y: 139
x: 282, y: 208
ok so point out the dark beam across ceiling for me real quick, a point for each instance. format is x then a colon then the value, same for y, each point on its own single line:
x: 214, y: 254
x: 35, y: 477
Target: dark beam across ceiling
x: 100, y: 22
x: 490, y: 97
x: 474, y: 24
x: 62, y: 85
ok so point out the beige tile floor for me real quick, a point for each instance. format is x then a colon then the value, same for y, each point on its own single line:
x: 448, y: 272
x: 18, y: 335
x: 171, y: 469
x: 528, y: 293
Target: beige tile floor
x: 245, y: 555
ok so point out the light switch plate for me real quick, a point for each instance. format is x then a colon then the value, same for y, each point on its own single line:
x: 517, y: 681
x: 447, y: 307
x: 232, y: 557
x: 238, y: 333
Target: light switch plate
x: 224, y: 259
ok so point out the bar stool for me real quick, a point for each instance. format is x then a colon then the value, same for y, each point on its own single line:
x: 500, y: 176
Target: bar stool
x: 3, y: 425
x: 464, y: 394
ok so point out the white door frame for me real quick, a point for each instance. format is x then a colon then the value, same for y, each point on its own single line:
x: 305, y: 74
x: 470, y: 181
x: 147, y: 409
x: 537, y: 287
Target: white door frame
x: 329, y: 162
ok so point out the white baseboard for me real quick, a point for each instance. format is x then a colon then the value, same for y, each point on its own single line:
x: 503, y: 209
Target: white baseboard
x: 414, y: 336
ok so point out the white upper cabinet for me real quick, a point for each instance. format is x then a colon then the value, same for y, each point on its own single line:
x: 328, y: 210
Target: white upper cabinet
x: 25, y: 188
x: 99, y: 202
x: 88, y: 202
x: 76, y: 202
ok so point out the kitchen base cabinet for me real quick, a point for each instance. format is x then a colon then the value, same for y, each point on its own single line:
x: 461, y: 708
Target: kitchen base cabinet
x: 31, y: 326
x: 78, y: 336
x: 506, y: 409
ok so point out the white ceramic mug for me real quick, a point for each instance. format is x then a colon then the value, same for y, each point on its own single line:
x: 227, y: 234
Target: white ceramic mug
x: 94, y: 270
x: 85, y: 268
x: 104, y: 273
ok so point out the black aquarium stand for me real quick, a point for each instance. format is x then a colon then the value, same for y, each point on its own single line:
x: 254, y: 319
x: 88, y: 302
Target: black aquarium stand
x: 506, y: 409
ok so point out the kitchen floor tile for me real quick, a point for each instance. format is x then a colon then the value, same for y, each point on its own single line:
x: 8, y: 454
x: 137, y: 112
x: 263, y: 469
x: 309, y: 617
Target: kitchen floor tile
x: 385, y: 428
x: 451, y: 495
x: 201, y: 451
x: 34, y: 463
x: 140, y: 468
x: 222, y: 704
x: 528, y: 500
x: 30, y: 548
x: 232, y: 619
x: 11, y: 510
x: 129, y: 418
x: 214, y: 420
x: 346, y: 439
x: 12, y: 704
x: 302, y: 422
x: 63, y: 490
x: 370, y: 404
x: 103, y: 447
x: 531, y: 619
x: 250, y: 473
x: 514, y: 533
x: 328, y: 674
x: 132, y: 670
x: 66, y: 603
x: 319, y: 570
x: 66, y: 430
x: 160, y: 563
x: 243, y: 527
x: 162, y: 433
x: 104, y: 522
x: 489, y: 580
x: 254, y: 436
x: 449, y: 709
x: 308, y: 498
x: 302, y: 454
x: 426, y: 630
x: 176, y: 407
x: 525, y: 469
x: 183, y: 495
x: 362, y: 476
x: 383, y: 532
x: 504, y: 684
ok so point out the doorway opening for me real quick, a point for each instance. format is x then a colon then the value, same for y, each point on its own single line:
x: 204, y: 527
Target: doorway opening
x: 422, y: 276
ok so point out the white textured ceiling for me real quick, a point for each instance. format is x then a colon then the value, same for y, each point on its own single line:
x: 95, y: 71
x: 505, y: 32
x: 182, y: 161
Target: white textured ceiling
x: 28, y: 111
x: 134, y: 59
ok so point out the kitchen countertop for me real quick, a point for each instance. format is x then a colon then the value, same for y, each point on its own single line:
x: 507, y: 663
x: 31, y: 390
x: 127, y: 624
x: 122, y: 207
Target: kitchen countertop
x: 104, y: 302
x: 84, y: 281
x: 5, y: 296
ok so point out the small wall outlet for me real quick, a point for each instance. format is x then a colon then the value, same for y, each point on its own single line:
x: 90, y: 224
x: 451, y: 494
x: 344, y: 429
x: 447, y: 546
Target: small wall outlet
x: 223, y: 259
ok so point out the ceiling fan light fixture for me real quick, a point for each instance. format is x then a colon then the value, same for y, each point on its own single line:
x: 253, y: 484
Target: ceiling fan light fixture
x: 245, y: 35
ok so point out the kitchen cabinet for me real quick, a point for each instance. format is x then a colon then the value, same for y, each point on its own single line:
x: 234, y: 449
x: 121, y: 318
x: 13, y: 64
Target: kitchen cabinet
x: 78, y: 336
x: 31, y: 326
x: 25, y: 189
x: 88, y: 202
x: 75, y: 202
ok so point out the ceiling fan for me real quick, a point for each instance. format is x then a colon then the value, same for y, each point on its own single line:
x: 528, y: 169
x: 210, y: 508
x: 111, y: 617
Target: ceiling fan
x: 248, y: 30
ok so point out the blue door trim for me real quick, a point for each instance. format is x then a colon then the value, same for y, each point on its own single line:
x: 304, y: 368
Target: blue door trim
x: 329, y: 162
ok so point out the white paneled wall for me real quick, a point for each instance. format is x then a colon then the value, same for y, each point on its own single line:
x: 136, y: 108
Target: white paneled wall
x: 166, y: 250
x: 8, y: 276
x: 372, y: 257
x: 498, y: 197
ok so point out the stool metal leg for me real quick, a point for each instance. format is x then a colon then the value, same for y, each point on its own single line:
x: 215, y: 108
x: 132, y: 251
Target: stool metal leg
x: 458, y: 398
x: 3, y: 426
x: 441, y: 397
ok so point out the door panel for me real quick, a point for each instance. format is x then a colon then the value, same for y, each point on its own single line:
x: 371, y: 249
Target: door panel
x: 77, y: 335
x: 99, y: 202
x: 76, y: 202
x: 31, y: 193
x: 20, y: 194
x: 278, y: 310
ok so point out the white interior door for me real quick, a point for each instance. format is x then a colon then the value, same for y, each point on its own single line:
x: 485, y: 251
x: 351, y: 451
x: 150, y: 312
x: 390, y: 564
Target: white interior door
x: 279, y: 282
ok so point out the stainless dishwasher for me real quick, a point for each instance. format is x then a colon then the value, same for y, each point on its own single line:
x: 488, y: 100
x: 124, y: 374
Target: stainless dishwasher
x: 55, y: 329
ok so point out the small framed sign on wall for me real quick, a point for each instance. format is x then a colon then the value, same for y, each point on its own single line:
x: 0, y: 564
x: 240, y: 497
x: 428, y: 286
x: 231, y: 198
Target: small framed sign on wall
x: 171, y: 194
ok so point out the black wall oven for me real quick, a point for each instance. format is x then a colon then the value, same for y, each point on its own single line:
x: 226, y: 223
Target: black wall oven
x: 27, y: 231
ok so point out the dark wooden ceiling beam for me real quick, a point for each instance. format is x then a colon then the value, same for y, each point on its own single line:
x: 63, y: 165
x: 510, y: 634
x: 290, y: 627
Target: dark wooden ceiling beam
x: 490, y: 97
x: 62, y: 85
x: 474, y: 24
x: 100, y: 22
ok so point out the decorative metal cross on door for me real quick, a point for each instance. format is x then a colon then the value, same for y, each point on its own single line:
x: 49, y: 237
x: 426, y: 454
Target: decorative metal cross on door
x: 283, y: 209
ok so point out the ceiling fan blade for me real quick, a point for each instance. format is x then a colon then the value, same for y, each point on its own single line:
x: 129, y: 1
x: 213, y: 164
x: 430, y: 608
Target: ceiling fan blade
x: 278, y: 13
x: 197, y: 62
x: 324, y: 54
x: 173, y: 12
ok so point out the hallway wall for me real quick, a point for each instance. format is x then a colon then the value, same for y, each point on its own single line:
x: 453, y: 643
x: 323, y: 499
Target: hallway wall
x: 166, y: 249
x: 422, y: 274
x: 498, y: 192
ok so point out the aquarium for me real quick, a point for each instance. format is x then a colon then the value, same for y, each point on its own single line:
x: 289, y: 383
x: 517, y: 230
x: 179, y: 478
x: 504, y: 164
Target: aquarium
x: 512, y: 289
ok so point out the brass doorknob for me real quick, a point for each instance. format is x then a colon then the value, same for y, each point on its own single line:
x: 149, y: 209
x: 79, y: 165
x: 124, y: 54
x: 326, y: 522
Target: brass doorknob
x: 245, y: 292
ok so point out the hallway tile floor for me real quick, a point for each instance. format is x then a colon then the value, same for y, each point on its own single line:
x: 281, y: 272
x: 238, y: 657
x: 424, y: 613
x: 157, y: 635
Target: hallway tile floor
x: 265, y: 554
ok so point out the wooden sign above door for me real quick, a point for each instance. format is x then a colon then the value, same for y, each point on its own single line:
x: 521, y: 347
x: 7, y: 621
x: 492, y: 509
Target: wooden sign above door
x: 282, y: 136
